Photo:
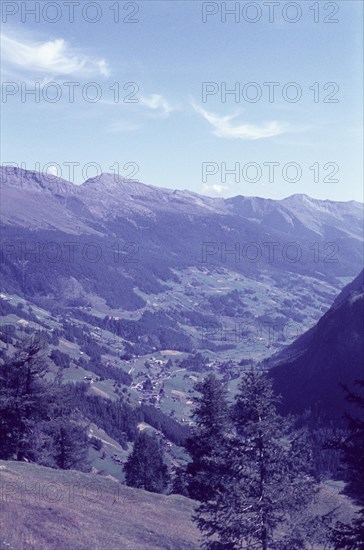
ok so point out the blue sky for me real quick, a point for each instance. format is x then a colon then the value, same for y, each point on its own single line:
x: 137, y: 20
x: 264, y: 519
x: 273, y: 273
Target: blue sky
x: 171, y: 136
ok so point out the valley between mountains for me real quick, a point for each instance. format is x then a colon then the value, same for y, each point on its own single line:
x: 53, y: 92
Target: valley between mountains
x: 140, y: 292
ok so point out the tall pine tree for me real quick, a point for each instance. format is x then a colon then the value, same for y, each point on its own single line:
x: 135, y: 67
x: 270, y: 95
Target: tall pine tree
x: 66, y: 429
x: 145, y: 468
x: 23, y: 400
x: 210, y: 415
x: 38, y: 419
x: 265, y: 479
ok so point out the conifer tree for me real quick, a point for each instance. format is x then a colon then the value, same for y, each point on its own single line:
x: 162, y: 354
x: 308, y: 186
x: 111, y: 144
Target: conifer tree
x: 38, y: 421
x: 67, y: 430
x: 265, y: 477
x: 351, y: 536
x: 210, y: 415
x: 145, y: 468
x: 23, y: 400
x: 180, y: 483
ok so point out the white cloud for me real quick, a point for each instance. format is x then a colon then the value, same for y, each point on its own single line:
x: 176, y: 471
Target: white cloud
x: 52, y: 170
x: 55, y: 57
x: 215, y: 188
x: 157, y: 103
x: 223, y: 126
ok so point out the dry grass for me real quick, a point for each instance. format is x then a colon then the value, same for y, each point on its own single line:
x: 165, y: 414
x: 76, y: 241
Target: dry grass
x: 44, y: 509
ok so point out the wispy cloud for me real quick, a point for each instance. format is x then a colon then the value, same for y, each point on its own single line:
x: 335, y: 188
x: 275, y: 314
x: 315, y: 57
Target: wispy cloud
x: 223, y: 126
x: 154, y: 105
x: 160, y: 107
x: 157, y: 103
x: 54, y: 57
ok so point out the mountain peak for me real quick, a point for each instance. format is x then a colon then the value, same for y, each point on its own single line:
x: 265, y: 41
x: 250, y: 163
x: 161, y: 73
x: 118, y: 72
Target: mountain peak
x: 35, y: 181
x: 116, y: 184
x: 109, y: 180
x: 112, y: 196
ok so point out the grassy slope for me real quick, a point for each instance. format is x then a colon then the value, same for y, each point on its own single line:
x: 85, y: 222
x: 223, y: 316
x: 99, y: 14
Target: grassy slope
x: 45, y: 509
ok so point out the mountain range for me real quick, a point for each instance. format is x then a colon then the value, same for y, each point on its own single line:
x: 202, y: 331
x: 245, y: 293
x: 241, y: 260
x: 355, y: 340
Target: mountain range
x: 211, y: 270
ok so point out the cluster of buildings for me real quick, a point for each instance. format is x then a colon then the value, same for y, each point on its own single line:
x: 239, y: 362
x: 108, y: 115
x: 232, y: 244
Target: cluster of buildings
x: 150, y: 395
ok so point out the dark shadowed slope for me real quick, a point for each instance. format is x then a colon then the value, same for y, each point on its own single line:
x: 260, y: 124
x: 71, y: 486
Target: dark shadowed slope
x: 309, y: 372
